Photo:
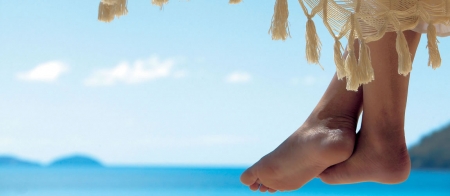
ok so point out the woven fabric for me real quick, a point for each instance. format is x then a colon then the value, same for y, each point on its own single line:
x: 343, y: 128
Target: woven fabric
x: 368, y: 21
x: 375, y: 17
x: 442, y: 30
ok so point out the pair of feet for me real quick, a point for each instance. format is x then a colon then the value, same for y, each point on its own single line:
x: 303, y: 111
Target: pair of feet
x: 327, y: 145
x: 328, y: 148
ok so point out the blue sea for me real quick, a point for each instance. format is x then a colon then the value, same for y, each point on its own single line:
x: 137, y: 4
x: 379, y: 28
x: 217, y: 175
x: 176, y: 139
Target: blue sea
x: 187, y: 182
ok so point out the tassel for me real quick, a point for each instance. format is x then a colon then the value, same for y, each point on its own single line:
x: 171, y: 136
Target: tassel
x: 280, y: 27
x: 105, y: 12
x: 352, y: 71
x: 351, y: 68
x: 351, y: 62
x: 340, y: 66
x: 121, y: 8
x: 365, y: 69
x: 235, y: 1
x: 433, y: 50
x: 313, y: 45
x: 108, y: 9
x: 404, y: 56
x: 160, y: 3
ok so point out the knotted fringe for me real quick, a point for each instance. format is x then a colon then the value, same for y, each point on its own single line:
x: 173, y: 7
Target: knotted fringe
x: 365, y: 69
x: 280, y: 27
x: 313, y: 44
x: 351, y: 71
x: 404, y: 56
x: 433, y: 50
x: 338, y: 60
x: 351, y: 62
x: 105, y: 12
x: 160, y: 3
x: 108, y: 9
x: 235, y: 1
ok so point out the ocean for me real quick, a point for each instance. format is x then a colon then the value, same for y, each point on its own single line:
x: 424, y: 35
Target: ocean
x: 161, y: 181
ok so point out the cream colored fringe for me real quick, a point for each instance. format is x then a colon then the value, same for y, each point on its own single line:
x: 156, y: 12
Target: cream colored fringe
x: 367, y: 21
x: 235, y: 1
x: 362, y: 20
x: 108, y: 9
x: 280, y: 25
x: 160, y: 3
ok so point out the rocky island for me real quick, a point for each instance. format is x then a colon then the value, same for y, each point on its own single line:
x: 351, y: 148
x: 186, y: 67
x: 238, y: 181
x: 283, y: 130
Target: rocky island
x: 69, y: 161
x: 10, y: 161
x: 433, y: 151
x: 76, y: 161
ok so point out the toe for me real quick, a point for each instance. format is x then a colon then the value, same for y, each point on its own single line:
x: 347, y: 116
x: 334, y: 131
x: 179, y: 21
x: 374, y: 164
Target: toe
x: 272, y: 190
x: 254, y: 186
x: 263, y: 188
x: 248, y: 177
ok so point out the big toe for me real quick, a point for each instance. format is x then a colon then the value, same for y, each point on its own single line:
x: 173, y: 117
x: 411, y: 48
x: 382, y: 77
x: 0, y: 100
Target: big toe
x: 249, y: 176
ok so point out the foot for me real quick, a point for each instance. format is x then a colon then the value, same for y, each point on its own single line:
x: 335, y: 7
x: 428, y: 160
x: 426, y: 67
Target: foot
x: 380, y: 156
x: 322, y: 141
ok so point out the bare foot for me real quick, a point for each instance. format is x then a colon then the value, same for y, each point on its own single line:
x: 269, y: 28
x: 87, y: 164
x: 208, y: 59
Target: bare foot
x: 379, y: 157
x: 380, y: 154
x: 326, y: 138
x: 315, y: 146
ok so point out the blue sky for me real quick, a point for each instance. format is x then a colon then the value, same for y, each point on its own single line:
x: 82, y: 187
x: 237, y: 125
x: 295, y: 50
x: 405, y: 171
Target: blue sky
x: 198, y: 83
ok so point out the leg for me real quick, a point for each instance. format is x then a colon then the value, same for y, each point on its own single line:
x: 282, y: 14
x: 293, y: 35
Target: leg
x: 380, y: 154
x: 326, y: 138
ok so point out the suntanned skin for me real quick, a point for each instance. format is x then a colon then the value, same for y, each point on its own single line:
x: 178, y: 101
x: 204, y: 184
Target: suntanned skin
x: 327, y: 138
x: 380, y: 151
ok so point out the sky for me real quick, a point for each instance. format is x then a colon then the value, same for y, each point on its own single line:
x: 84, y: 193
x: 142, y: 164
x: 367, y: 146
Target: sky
x: 196, y: 83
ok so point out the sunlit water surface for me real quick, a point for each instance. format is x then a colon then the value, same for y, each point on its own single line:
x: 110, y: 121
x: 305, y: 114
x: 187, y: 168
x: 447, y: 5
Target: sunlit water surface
x: 187, y: 182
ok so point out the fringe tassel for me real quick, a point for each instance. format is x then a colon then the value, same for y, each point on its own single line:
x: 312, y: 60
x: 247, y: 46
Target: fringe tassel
x: 340, y: 66
x: 365, y: 69
x: 108, y: 9
x: 351, y: 62
x: 351, y: 68
x: 121, y: 8
x: 433, y: 50
x: 280, y: 26
x: 404, y: 56
x: 105, y: 12
x: 235, y: 1
x: 313, y: 44
x: 160, y: 3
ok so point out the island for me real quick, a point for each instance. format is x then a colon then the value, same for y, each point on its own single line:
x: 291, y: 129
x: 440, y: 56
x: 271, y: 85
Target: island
x: 10, y: 161
x: 76, y: 161
x: 433, y: 151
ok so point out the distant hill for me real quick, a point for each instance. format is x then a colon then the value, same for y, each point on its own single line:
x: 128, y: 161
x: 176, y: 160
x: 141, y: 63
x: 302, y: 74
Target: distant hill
x: 76, y: 161
x: 433, y: 151
x: 9, y: 161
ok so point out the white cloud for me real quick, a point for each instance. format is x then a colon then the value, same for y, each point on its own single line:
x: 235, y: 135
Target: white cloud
x: 140, y: 71
x: 45, y: 72
x: 309, y: 80
x: 238, y: 77
x: 305, y: 81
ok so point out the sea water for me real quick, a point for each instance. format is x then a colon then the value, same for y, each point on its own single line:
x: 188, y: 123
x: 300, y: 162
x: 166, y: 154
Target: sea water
x: 187, y: 182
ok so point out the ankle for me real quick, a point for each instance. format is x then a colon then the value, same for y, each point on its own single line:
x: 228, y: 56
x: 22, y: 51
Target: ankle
x: 385, y: 138
x: 397, y: 168
x: 388, y: 148
x: 337, y: 119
